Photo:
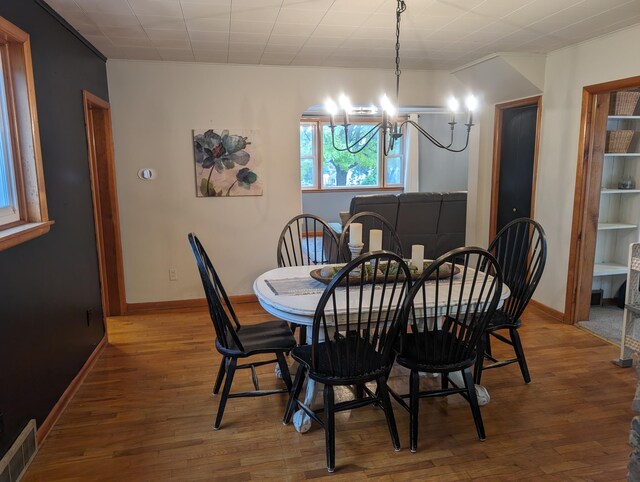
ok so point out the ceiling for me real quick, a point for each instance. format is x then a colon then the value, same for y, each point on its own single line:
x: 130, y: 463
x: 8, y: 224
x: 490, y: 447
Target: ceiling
x: 435, y: 34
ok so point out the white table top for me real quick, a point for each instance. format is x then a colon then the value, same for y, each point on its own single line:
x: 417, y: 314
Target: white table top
x: 300, y: 307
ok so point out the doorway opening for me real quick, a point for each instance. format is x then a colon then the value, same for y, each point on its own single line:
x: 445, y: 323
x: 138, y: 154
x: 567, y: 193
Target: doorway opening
x: 606, y: 210
x: 105, y: 203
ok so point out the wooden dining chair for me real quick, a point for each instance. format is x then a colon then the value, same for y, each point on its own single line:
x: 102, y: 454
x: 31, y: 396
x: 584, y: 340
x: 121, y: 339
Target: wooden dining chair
x: 305, y: 240
x: 444, y: 339
x: 521, y: 250
x: 359, y: 349
x: 235, y: 341
x: 370, y: 220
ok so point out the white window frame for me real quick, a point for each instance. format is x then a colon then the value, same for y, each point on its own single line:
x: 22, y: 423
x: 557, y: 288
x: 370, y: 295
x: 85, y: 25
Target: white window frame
x: 382, y: 185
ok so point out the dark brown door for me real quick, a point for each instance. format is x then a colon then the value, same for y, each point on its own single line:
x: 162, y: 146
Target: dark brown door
x: 515, y: 151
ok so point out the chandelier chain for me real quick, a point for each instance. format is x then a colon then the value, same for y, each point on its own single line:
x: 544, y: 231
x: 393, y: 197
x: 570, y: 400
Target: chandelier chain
x: 399, y: 10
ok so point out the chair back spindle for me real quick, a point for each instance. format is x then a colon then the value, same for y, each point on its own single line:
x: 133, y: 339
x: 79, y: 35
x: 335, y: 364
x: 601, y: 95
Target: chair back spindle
x: 305, y: 240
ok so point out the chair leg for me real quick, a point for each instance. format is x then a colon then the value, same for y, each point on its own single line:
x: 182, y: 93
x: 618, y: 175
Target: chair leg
x: 388, y: 412
x: 473, y: 401
x: 480, y: 351
x: 231, y: 369
x: 284, y: 370
x: 414, y: 404
x: 294, y: 394
x: 444, y: 381
x: 303, y: 335
x: 221, y: 371
x: 330, y: 427
x: 522, y: 361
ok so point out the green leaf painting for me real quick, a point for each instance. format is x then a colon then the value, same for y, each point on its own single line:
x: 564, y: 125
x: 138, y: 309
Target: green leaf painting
x: 226, y: 163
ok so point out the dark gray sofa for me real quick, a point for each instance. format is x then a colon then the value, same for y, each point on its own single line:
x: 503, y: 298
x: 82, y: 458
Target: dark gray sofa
x: 436, y: 220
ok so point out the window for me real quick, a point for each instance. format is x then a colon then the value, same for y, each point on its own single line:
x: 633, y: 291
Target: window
x: 322, y: 167
x: 23, y: 206
x: 9, y: 209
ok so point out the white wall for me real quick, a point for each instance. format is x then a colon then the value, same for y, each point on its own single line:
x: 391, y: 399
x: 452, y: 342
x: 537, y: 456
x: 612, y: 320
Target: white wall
x: 567, y: 71
x: 155, y: 106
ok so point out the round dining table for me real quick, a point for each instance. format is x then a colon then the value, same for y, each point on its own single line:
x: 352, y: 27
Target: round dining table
x: 291, y: 294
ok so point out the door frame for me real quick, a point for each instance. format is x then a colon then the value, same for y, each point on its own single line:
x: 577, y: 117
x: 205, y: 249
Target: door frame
x: 497, y: 144
x: 586, y: 201
x: 103, y: 184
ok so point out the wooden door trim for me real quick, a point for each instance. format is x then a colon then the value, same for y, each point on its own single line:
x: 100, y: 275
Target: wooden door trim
x: 585, y: 199
x: 118, y: 305
x: 497, y: 142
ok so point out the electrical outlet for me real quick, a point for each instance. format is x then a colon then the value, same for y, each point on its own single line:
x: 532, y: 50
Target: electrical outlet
x: 173, y: 274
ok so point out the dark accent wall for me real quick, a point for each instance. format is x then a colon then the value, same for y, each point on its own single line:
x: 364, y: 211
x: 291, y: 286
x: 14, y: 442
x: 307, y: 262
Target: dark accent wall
x: 48, y: 284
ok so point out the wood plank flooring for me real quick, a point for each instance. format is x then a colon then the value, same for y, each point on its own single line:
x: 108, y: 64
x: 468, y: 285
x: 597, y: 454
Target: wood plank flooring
x: 145, y: 413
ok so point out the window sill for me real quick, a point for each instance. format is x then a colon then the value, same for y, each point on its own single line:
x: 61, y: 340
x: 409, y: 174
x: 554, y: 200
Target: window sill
x: 353, y: 189
x: 24, y: 232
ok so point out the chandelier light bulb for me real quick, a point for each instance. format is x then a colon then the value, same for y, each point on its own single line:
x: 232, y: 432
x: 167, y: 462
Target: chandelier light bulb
x: 471, y: 102
x: 330, y: 106
x: 387, y: 106
x: 453, y: 104
x: 345, y: 103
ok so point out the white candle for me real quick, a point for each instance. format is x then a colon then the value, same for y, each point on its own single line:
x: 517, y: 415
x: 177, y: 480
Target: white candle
x: 375, y: 240
x: 355, y: 233
x: 417, y: 256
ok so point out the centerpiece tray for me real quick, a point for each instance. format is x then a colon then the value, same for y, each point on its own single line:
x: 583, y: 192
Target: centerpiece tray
x: 443, y: 273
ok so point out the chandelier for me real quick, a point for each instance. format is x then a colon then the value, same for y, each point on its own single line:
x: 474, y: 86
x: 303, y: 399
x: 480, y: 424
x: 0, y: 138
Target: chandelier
x: 389, y: 126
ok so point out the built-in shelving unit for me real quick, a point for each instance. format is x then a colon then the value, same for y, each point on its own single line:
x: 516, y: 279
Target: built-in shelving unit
x: 619, y: 214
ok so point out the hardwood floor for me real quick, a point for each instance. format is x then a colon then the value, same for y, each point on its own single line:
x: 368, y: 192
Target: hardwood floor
x: 145, y: 412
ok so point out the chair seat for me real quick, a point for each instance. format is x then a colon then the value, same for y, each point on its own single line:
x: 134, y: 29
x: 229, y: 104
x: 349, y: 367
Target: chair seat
x: 268, y: 337
x: 340, y: 366
x: 436, y: 354
x: 500, y: 320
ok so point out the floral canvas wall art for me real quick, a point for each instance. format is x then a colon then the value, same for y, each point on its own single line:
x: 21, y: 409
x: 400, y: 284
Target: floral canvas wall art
x: 226, y: 163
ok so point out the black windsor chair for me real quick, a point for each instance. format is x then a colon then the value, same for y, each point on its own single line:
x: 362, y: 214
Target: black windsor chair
x: 234, y: 341
x: 445, y: 341
x: 521, y: 250
x: 298, y: 246
x: 370, y: 220
x: 359, y: 349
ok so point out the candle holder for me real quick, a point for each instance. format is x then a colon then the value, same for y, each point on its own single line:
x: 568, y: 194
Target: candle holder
x: 355, y: 249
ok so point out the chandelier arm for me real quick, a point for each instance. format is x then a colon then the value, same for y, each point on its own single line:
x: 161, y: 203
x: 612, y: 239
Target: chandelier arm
x: 369, y: 135
x: 435, y: 141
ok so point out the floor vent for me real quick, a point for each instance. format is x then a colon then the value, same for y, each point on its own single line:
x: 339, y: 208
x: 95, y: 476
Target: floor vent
x: 15, y: 462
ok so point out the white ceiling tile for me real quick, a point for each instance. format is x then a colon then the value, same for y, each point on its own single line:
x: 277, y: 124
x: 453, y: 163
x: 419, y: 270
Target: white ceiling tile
x: 184, y: 55
x: 308, y: 4
x: 299, y: 16
x: 356, y: 6
x: 208, y: 24
x: 87, y: 29
x: 332, y: 31
x: 164, y: 8
x: 287, y: 39
x: 281, y: 49
x: 251, y: 27
x: 253, y: 13
x: 276, y: 59
x: 171, y: 44
x: 116, y: 7
x: 112, y: 20
x: 209, y: 46
x: 246, y: 37
x: 324, y: 42
x: 168, y: 23
x: 138, y: 53
x: 246, y: 48
x: 129, y: 32
x: 210, y: 10
x: 209, y: 36
x: 66, y: 6
x: 293, y: 29
x: 338, y: 19
x: 208, y: 56
x: 131, y: 42
x: 167, y: 34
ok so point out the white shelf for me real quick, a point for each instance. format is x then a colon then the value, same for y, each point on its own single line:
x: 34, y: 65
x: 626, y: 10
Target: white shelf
x: 622, y: 154
x: 611, y: 226
x: 624, y: 117
x: 609, y: 269
x: 606, y: 190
